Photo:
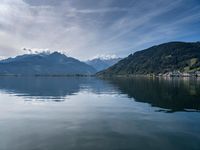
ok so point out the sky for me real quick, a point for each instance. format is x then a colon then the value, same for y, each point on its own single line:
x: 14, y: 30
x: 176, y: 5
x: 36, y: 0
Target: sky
x: 90, y: 28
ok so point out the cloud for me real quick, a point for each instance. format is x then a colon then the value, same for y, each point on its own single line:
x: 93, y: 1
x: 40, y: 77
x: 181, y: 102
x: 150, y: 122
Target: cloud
x: 90, y: 28
x: 103, y: 10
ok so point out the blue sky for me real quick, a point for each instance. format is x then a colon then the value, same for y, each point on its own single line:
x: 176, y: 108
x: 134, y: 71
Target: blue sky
x: 90, y: 28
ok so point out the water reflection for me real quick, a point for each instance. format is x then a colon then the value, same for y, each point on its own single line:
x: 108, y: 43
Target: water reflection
x: 91, y: 113
x: 170, y: 95
x: 52, y: 88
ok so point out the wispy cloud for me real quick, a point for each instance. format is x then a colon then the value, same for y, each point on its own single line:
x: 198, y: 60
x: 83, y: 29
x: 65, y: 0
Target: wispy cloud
x: 102, y: 10
x: 90, y: 28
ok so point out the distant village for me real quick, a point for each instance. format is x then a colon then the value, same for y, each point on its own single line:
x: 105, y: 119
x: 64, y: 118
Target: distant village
x: 180, y: 74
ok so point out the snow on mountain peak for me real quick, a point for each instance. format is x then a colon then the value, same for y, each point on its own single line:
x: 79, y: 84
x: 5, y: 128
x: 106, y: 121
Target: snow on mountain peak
x: 105, y: 57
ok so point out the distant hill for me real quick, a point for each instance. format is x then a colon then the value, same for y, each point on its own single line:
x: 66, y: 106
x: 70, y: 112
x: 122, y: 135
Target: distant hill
x: 101, y: 63
x: 168, y: 57
x: 44, y: 64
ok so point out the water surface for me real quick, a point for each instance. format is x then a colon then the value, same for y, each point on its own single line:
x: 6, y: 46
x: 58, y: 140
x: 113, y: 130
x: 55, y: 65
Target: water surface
x: 50, y: 113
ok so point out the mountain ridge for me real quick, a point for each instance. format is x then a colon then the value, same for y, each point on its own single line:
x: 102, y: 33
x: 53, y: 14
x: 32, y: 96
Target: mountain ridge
x: 159, y: 59
x: 44, y: 64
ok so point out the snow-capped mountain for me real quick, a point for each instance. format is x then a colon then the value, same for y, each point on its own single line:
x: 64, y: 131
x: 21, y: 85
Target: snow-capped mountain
x: 102, y: 63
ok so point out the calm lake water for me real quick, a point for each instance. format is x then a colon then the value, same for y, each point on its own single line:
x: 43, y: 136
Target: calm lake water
x: 49, y: 113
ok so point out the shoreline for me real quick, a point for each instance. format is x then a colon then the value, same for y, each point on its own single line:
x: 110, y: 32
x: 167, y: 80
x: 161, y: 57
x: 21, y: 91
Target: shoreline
x: 37, y: 75
x: 147, y: 76
x: 107, y: 76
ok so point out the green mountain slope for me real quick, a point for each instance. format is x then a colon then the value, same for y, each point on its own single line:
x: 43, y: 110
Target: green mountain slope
x: 168, y: 57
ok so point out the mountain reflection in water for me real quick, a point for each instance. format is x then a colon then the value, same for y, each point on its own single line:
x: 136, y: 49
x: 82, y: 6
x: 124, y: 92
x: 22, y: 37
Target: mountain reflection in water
x: 175, y: 94
x: 52, y: 88
x: 171, y: 94
x: 86, y: 113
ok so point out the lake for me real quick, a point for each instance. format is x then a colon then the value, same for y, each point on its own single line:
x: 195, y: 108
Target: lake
x: 86, y: 113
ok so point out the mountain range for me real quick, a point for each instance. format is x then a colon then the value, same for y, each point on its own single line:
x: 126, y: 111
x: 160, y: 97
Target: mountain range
x: 181, y: 57
x: 44, y: 64
x: 102, y: 63
x: 169, y: 57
